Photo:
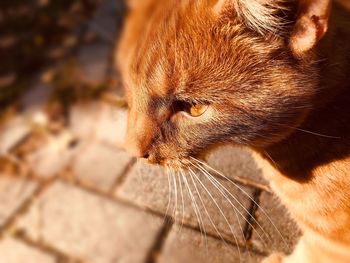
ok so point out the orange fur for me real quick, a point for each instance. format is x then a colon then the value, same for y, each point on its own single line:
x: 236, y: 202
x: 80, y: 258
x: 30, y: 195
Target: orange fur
x: 271, y: 84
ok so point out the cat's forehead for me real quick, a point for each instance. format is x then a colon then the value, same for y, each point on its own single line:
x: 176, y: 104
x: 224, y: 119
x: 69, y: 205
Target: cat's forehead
x: 154, y: 81
x: 180, y: 53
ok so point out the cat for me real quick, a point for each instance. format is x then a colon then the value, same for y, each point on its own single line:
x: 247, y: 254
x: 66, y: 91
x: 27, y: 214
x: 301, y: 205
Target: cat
x: 269, y: 75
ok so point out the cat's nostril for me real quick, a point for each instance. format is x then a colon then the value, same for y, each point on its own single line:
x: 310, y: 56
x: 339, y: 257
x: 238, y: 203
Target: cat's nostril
x: 135, y: 149
x: 145, y: 156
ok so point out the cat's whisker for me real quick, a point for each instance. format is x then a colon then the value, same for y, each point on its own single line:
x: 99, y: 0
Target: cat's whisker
x: 315, y: 133
x: 222, y: 191
x: 291, y: 127
x: 201, y: 200
x: 272, y: 160
x: 221, y: 212
x: 235, y: 211
x: 233, y: 206
x: 175, y: 193
x: 182, y: 201
x: 195, y: 207
x: 310, y: 132
x: 241, y: 229
x: 222, y: 188
x: 169, y: 192
x: 245, y: 193
x: 206, y: 211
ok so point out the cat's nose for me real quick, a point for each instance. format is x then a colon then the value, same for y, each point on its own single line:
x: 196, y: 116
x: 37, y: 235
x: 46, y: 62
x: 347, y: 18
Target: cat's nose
x: 139, y: 135
x: 136, y: 150
x: 139, y: 154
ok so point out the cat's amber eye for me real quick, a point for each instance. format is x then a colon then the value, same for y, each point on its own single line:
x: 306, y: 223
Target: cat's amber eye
x: 192, y: 109
x: 197, y: 110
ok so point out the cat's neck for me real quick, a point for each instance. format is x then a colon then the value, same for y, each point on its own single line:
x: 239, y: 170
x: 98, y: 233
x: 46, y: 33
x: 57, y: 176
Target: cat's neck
x: 324, y: 136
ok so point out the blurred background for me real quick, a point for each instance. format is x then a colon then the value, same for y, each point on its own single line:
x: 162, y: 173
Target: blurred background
x: 68, y: 191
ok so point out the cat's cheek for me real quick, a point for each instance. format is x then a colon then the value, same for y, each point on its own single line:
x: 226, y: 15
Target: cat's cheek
x: 179, y: 118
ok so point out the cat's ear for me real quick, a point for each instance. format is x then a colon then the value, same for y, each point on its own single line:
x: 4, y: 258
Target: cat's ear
x: 260, y: 15
x: 263, y: 16
x: 311, y: 25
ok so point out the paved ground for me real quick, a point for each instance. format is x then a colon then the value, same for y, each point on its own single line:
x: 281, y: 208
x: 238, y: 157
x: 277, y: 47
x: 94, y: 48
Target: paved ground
x: 69, y: 193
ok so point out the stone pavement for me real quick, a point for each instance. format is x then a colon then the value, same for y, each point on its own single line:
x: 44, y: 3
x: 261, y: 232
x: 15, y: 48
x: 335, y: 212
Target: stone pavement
x: 69, y: 193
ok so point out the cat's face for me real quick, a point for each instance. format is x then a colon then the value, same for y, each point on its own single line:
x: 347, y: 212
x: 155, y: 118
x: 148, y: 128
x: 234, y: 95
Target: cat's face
x: 196, y: 79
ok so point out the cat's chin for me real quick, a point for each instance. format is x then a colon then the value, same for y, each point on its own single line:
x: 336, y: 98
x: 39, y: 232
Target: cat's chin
x: 178, y: 165
x: 175, y: 164
x: 185, y: 162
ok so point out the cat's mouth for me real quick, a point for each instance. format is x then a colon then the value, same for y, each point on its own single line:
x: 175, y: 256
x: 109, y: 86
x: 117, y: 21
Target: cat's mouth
x: 174, y: 164
x: 180, y: 161
x: 178, y: 164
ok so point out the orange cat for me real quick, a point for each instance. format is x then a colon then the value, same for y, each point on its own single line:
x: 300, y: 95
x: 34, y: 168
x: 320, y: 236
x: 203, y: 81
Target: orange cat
x: 269, y: 75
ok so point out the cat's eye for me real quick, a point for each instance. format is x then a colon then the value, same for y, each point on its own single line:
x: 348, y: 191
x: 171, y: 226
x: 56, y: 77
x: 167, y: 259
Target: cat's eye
x: 192, y: 109
x: 198, y: 110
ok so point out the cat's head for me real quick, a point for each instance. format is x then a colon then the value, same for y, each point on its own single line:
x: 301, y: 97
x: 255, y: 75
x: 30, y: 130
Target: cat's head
x: 203, y: 73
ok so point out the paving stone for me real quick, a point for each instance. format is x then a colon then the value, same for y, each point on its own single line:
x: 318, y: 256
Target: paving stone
x: 15, y: 251
x: 53, y: 157
x: 112, y: 124
x: 100, y: 165
x: 236, y: 161
x: 89, y: 227
x: 148, y: 187
x: 13, y: 193
x: 281, y: 237
x: 93, y: 62
x: 15, y: 130
x: 99, y: 120
x: 186, y: 245
x: 83, y: 118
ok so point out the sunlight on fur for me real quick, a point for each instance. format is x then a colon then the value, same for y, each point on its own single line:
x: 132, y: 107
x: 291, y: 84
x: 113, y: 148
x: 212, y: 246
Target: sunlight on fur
x: 272, y: 76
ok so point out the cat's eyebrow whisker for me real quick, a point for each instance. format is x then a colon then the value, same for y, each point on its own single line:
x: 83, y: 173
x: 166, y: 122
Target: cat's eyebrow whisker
x: 221, y: 212
x: 194, y: 205
x: 245, y: 193
x: 222, y: 188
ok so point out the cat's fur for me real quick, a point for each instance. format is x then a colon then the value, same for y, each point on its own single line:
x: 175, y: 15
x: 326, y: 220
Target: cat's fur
x: 271, y: 84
